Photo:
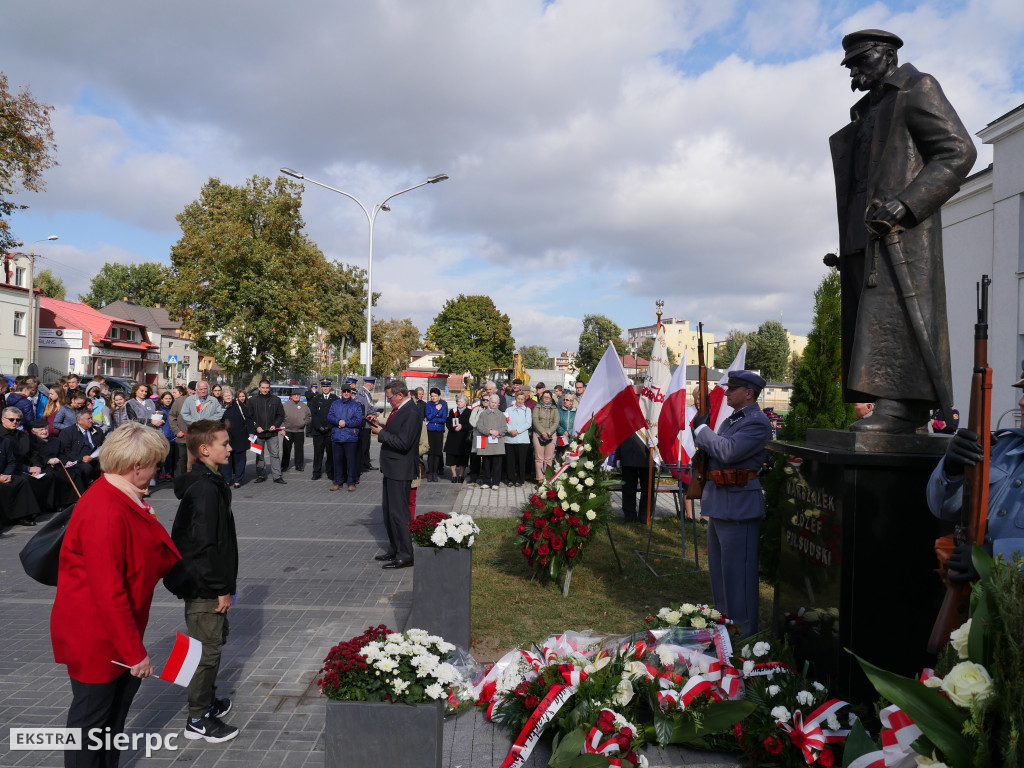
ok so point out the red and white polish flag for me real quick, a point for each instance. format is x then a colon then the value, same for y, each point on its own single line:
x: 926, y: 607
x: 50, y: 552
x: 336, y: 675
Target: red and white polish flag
x: 720, y: 410
x: 674, y: 418
x: 254, y: 445
x: 183, y: 661
x: 611, y: 402
x: 481, y: 442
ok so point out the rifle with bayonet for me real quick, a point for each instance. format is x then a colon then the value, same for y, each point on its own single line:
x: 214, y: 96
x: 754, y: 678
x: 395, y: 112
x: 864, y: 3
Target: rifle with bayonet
x: 699, y: 460
x: 974, y: 510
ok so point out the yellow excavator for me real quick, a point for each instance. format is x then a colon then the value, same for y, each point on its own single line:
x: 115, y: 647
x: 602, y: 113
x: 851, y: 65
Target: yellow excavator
x: 500, y: 375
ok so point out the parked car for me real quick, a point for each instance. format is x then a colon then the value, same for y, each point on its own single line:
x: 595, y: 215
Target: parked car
x: 115, y: 383
x: 283, y: 391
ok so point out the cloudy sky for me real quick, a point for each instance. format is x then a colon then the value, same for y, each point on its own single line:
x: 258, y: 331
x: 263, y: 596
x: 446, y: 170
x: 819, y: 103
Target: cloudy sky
x: 602, y: 153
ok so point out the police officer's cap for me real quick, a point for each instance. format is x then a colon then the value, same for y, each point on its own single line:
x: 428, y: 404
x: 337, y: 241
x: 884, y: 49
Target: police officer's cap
x: 856, y: 43
x: 369, y: 379
x: 746, y: 379
x: 326, y: 383
x: 351, y: 380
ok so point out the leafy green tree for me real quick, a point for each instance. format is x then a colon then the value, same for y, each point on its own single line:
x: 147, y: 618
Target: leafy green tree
x: 597, y: 331
x: 472, y: 335
x: 647, y: 348
x: 794, y: 365
x: 725, y: 353
x: 50, y: 284
x: 535, y: 356
x: 26, y: 150
x: 393, y: 344
x: 816, y: 402
x: 768, y: 351
x: 144, y: 283
x: 251, y: 288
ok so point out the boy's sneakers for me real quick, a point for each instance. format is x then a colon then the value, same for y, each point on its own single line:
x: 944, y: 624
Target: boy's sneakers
x: 220, y: 707
x: 210, y: 728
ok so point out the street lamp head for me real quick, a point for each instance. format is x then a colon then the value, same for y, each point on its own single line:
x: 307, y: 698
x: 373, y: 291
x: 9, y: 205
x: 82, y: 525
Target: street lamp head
x: 53, y: 237
x: 290, y: 172
x: 437, y: 178
x: 385, y: 207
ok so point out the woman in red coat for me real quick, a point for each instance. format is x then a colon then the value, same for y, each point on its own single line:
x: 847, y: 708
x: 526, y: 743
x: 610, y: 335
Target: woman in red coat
x: 114, y: 553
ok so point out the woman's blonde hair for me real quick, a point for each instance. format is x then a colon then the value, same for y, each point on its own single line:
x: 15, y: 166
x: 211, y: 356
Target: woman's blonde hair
x: 132, y: 444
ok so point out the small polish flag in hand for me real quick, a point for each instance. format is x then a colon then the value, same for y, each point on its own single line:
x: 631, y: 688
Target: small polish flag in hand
x: 481, y: 442
x: 183, y: 661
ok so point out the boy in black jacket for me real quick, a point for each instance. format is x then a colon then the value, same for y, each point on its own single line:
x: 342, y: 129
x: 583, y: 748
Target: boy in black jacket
x: 204, y: 532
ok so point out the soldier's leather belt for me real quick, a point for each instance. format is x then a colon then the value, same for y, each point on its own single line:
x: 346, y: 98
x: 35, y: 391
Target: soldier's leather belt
x: 726, y: 477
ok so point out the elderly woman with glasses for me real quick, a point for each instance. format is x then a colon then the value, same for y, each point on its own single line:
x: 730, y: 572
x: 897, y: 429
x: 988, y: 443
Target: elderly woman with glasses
x: 489, y: 437
x: 114, y: 553
x: 18, y: 500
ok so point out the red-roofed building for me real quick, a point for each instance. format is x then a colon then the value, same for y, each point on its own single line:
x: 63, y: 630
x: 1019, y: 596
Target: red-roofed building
x: 77, y: 338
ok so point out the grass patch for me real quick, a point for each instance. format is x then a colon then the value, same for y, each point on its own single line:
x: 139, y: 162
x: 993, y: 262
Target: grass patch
x: 510, y: 610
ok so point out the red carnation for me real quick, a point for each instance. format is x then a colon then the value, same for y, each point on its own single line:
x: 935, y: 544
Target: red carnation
x: 552, y: 493
x: 557, y: 511
x: 534, y: 499
x: 520, y: 528
x: 605, y: 720
x: 583, y: 530
x: 623, y: 742
x: 826, y: 758
x: 571, y: 552
x: 526, y: 551
x: 543, y: 549
x: 773, y: 745
x: 556, y: 542
x: 538, y: 503
x: 536, y: 535
x: 547, y: 533
x: 573, y: 520
x: 627, y: 732
x: 531, y: 702
x: 527, y: 515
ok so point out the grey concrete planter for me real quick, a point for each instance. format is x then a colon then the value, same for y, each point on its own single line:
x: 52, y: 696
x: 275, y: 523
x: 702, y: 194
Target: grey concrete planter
x: 441, y: 588
x: 362, y: 733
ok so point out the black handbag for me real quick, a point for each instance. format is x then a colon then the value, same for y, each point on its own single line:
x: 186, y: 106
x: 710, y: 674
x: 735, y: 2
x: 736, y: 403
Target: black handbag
x: 40, y: 557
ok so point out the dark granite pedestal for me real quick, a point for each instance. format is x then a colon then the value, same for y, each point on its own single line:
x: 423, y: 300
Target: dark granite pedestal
x: 858, y: 563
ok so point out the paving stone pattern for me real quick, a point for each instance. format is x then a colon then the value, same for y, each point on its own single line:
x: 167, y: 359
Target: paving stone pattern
x: 307, y: 581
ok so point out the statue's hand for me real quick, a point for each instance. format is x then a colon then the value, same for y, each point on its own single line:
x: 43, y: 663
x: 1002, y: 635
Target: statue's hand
x: 882, y: 217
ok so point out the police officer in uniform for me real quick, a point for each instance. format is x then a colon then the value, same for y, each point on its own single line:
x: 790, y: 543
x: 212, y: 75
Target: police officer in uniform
x: 320, y: 429
x: 364, y: 395
x: 733, y: 501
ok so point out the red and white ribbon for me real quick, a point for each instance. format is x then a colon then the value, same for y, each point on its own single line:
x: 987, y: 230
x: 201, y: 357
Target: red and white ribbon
x: 694, y: 687
x: 727, y: 677
x: 898, y: 733
x: 594, y: 746
x: 807, y: 735
x: 546, y: 710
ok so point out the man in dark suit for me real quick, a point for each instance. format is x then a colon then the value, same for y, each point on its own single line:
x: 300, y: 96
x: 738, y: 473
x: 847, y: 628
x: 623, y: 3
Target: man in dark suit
x: 399, y: 439
x: 732, y: 500
x: 77, y: 443
x: 319, y: 404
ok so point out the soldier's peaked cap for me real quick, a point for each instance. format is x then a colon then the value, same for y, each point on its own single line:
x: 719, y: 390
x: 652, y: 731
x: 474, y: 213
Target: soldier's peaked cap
x: 856, y: 43
x: 746, y: 379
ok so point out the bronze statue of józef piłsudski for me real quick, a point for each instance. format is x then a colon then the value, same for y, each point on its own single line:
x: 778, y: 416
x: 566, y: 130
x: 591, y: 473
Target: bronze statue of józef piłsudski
x: 904, y: 154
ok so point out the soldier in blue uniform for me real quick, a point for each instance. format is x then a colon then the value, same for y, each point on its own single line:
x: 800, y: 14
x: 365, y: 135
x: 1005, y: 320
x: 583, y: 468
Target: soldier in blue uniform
x: 733, y: 502
x: 1004, y: 533
x: 364, y: 396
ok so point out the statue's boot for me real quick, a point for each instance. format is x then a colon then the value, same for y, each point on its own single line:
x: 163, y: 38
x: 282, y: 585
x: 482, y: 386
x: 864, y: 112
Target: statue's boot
x: 893, y: 417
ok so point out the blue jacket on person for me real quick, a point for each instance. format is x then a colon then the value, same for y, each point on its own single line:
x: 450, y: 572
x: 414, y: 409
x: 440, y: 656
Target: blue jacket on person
x: 1005, y: 528
x: 519, y: 418
x: 23, y: 404
x: 436, y: 415
x: 351, y: 412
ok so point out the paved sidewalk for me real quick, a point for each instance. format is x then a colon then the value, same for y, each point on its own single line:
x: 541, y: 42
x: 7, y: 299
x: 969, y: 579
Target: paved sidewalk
x: 307, y: 581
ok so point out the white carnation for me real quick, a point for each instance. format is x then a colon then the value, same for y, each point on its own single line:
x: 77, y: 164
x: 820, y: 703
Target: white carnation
x: 818, y: 686
x: 773, y: 690
x: 780, y: 714
x: 745, y: 651
x: 748, y: 667
x: 804, y: 698
x: 761, y: 649
x: 833, y: 722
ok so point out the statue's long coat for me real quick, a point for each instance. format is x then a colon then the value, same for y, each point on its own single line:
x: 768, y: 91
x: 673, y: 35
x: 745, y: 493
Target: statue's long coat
x: 905, y: 141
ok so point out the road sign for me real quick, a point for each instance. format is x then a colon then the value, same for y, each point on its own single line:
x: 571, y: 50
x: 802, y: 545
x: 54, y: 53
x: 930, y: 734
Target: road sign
x: 172, y: 359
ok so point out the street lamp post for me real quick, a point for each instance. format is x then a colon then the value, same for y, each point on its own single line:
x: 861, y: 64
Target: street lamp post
x: 30, y: 329
x: 371, y: 217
